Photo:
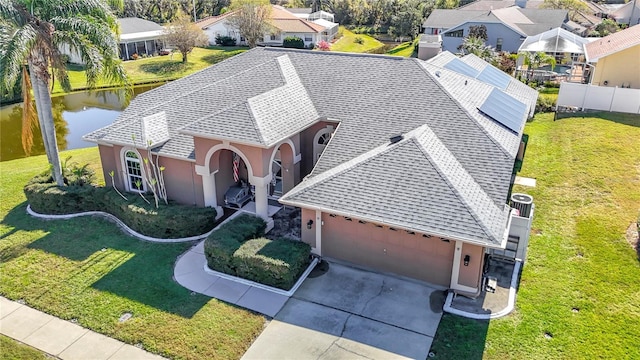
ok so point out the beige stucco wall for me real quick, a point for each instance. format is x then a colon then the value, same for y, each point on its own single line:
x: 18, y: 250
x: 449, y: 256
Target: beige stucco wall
x: 308, y: 235
x: 620, y: 68
x: 471, y: 275
x: 378, y: 247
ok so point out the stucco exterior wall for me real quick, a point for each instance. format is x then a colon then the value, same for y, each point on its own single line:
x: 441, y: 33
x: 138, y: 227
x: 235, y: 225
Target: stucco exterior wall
x: 222, y: 28
x: 620, y: 68
x: 109, y: 163
x: 308, y: 235
x: 510, y: 39
x: 381, y: 248
x: 471, y: 275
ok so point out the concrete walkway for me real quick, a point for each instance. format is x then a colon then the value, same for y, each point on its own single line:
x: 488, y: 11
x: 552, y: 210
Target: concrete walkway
x: 189, y: 272
x: 61, y: 338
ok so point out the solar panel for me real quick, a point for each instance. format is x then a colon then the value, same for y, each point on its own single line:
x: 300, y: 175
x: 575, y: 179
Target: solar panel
x: 495, y: 77
x: 504, y: 109
x: 460, y: 67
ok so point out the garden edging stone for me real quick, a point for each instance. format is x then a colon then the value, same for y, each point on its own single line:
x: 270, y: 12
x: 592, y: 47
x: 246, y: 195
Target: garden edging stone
x: 118, y: 222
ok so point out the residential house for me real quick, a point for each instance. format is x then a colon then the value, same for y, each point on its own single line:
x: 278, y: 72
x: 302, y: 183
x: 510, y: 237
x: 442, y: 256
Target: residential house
x: 506, y: 28
x: 397, y: 164
x: 624, y: 13
x: 137, y: 36
x: 615, y: 59
x: 283, y: 24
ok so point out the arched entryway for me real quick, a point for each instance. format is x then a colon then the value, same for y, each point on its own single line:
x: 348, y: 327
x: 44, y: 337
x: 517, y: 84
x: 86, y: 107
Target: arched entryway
x: 283, y: 169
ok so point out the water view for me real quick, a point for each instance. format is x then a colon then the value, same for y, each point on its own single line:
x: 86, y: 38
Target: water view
x: 74, y: 115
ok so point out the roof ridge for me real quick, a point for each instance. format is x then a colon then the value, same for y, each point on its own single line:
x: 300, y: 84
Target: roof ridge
x: 185, y: 94
x: 341, y: 168
x: 447, y: 161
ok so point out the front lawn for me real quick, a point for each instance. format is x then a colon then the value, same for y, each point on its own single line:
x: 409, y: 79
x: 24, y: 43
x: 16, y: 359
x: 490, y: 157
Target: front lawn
x: 579, y: 296
x: 86, y: 269
x: 159, y: 68
x: 11, y: 349
x: 349, y: 42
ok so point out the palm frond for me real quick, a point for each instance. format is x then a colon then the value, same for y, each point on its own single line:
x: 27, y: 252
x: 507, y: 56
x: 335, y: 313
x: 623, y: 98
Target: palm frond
x: 29, y: 114
x: 15, y: 54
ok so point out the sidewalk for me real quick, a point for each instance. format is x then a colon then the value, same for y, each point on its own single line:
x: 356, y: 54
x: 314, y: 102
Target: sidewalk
x: 61, y: 338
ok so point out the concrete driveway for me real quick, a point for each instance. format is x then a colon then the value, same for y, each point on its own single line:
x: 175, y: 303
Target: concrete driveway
x: 354, y: 314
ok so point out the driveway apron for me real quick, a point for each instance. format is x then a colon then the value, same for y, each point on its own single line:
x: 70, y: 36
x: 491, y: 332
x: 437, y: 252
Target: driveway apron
x: 352, y: 313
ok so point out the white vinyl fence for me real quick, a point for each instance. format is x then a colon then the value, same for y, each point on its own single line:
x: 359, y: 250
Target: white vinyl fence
x: 592, y: 97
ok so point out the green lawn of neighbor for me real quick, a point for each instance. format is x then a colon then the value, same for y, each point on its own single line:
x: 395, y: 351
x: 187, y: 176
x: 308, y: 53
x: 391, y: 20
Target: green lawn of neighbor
x: 86, y: 269
x: 347, y: 43
x: 15, y: 350
x: 405, y: 49
x: 159, y: 68
x: 579, y: 295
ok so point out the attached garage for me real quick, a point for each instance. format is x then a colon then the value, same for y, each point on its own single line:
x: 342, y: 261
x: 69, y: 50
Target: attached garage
x: 387, y: 249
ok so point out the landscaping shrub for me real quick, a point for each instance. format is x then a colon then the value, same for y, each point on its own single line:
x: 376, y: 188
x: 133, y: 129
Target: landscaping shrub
x: 167, y: 221
x: 358, y: 40
x: 238, y: 248
x: 546, y: 103
x: 293, y: 42
x: 225, y: 40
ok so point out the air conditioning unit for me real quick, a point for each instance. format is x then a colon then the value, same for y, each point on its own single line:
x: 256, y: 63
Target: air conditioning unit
x: 523, y: 203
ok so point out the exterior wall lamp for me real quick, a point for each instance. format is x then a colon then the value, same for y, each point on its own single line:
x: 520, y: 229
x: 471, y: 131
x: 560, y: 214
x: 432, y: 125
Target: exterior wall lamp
x: 467, y: 258
x: 309, y: 224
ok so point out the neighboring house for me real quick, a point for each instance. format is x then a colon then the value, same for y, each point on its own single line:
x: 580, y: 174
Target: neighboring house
x: 628, y: 14
x: 487, y: 5
x: 283, y: 24
x: 615, y: 59
x: 506, y: 28
x: 137, y: 36
x: 397, y: 164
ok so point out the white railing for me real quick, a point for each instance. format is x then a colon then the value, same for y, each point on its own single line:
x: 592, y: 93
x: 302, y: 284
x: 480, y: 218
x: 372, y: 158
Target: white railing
x: 592, y: 97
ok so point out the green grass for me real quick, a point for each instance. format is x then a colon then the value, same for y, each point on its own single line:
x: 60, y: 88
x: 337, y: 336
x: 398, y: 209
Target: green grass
x: 406, y: 49
x: 14, y: 350
x: 587, y: 194
x: 158, y: 68
x: 87, y: 269
x: 347, y: 43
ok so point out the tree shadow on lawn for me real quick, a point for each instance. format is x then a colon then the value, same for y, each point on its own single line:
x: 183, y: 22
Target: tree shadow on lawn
x: 620, y: 118
x: 146, y: 277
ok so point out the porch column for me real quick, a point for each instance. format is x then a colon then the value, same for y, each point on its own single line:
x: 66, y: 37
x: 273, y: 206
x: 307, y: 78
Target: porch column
x: 209, y: 189
x: 262, y: 203
x: 318, y: 248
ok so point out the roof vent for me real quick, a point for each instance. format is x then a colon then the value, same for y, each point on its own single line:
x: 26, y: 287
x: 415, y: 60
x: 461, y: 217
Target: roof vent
x: 396, y: 138
x: 438, y: 73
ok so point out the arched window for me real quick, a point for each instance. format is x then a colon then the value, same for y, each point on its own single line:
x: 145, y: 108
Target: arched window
x: 133, y: 168
x: 320, y: 142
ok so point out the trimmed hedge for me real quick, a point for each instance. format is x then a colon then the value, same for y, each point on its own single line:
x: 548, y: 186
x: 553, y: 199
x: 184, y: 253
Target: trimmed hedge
x: 293, y: 42
x: 167, y: 221
x: 225, y: 40
x: 238, y: 248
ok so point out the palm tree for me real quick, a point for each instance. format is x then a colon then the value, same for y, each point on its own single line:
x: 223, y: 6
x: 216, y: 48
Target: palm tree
x: 476, y: 46
x: 32, y: 36
x: 534, y: 60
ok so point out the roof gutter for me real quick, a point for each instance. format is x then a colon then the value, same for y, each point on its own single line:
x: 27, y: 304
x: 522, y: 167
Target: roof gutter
x: 433, y: 233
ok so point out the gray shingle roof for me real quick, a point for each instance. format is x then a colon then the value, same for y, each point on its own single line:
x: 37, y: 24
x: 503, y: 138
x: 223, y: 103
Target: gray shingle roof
x: 431, y: 191
x: 132, y: 25
x: 256, y: 96
x: 446, y: 18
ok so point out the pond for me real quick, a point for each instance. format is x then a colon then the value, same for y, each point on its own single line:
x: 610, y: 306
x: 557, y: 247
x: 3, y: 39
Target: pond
x: 74, y: 115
